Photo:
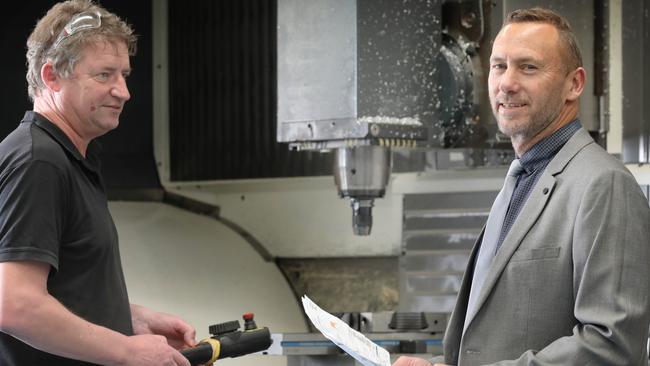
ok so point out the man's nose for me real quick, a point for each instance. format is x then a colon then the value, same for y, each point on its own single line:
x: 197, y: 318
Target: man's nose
x: 509, y: 81
x: 120, y: 90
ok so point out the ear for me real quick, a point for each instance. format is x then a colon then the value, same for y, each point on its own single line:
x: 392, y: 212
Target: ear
x: 51, y: 80
x: 577, y: 79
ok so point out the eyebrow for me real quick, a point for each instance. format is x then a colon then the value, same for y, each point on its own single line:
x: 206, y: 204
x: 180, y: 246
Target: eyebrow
x: 520, y: 60
x: 114, y: 69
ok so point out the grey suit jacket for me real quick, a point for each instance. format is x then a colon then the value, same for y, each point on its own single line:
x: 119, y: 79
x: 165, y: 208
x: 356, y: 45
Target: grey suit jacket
x: 571, y: 282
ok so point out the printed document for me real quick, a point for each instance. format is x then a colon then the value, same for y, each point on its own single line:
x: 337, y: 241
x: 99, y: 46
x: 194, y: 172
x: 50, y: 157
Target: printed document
x: 351, y: 341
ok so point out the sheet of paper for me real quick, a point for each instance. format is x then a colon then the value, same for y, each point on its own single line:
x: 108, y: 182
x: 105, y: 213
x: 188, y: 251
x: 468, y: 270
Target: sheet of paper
x: 351, y: 341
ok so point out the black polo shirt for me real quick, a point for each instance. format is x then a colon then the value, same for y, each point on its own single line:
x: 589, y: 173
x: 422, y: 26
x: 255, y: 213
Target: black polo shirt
x: 53, y: 209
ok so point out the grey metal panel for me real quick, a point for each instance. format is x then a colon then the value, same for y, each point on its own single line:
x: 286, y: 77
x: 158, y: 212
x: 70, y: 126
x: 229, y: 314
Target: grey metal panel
x: 429, y: 263
x: 398, y: 45
x: 317, y: 64
x: 443, y: 240
x: 449, y: 201
x: 636, y: 80
x: 428, y: 285
x: 424, y: 302
x: 356, y: 69
x: 438, y: 233
x: 432, y: 220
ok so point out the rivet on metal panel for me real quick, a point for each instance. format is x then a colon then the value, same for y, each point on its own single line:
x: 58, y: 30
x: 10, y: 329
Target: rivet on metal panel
x: 374, y: 130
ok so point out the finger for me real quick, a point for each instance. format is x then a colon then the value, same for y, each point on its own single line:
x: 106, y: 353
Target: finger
x: 180, y: 359
x: 188, y: 332
x: 178, y: 343
x: 190, y: 337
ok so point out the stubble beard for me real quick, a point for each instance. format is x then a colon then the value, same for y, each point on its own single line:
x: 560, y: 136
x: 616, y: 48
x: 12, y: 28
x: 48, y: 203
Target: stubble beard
x: 526, y: 130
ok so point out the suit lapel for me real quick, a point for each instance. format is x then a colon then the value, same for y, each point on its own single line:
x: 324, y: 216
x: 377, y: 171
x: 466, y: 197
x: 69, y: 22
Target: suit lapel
x: 530, y: 213
x: 457, y: 320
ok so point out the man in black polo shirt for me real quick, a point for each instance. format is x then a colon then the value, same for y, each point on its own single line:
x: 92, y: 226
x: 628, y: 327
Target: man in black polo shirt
x: 63, y: 299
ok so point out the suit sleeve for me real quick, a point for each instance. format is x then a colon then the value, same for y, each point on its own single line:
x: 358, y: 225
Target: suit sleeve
x: 611, y: 257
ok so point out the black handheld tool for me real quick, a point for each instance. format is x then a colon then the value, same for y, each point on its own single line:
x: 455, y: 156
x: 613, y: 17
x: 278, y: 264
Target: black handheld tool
x: 228, y: 341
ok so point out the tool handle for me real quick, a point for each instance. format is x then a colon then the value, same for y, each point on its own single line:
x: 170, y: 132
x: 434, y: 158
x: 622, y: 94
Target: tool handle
x: 243, y: 343
x: 199, y: 354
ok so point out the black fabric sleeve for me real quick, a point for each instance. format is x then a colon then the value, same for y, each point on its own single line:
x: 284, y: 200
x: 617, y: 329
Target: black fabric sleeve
x: 32, y: 210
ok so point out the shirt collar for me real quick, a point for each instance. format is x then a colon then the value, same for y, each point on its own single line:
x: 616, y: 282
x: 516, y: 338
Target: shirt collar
x: 542, y: 152
x: 91, y: 161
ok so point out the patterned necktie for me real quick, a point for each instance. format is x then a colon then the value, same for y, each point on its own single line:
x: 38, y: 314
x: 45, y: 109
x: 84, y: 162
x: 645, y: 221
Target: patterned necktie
x: 491, y: 235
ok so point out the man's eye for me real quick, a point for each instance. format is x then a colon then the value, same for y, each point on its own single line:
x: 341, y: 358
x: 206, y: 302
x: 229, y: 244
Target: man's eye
x: 529, y: 67
x: 103, y: 76
x: 498, y: 66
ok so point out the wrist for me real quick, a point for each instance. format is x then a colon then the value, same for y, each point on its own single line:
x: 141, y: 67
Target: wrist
x: 140, y: 319
x: 120, y: 352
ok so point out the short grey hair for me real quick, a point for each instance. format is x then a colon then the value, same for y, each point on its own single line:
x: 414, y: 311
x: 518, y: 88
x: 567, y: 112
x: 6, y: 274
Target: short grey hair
x: 65, y: 55
x: 572, y: 57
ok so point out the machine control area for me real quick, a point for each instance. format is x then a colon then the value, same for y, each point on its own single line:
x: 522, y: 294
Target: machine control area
x: 397, y: 332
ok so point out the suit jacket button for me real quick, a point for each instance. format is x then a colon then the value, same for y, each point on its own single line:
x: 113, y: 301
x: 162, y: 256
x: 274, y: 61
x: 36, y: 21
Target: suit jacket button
x: 545, y: 190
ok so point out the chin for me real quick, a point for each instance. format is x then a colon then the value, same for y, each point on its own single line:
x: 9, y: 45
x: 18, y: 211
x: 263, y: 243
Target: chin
x: 511, y: 127
x: 114, y: 125
x: 504, y: 128
x: 109, y: 125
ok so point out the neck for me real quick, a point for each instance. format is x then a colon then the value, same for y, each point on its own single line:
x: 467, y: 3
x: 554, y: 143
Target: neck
x: 46, y: 107
x: 521, y: 144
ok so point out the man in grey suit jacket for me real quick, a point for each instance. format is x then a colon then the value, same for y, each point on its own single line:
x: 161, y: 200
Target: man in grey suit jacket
x: 570, y: 281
